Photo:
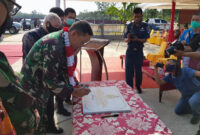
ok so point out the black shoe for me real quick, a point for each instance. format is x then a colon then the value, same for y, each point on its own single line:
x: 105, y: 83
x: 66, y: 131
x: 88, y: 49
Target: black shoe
x: 54, y: 129
x: 63, y: 112
x: 195, y: 120
x: 139, y: 90
x: 69, y: 102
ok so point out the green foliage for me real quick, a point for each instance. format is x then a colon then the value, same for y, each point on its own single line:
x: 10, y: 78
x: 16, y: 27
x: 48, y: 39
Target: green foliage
x: 96, y: 15
x: 110, y: 11
x: 124, y: 14
x: 102, y: 6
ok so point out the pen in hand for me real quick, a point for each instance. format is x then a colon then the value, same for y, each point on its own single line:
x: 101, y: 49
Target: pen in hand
x: 111, y: 115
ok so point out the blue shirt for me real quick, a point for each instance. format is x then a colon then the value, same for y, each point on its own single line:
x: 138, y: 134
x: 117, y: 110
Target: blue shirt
x: 185, y: 35
x: 141, y: 31
x: 186, y: 83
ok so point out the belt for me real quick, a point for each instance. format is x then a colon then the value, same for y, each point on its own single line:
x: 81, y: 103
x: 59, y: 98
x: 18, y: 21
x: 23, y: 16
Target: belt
x: 135, y: 49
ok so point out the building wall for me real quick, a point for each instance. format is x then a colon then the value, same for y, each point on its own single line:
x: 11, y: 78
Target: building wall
x: 186, y: 15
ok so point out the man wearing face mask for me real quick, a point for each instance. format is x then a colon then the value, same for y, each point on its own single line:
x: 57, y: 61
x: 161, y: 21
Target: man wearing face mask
x: 188, y: 35
x: 70, y: 16
x: 186, y: 82
x: 193, y: 48
x: 52, y: 23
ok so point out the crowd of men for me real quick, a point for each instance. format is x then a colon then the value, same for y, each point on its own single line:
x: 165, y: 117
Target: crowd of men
x: 49, y: 61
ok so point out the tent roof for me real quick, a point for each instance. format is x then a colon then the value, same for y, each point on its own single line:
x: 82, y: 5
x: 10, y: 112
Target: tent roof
x: 146, y: 1
x: 169, y: 6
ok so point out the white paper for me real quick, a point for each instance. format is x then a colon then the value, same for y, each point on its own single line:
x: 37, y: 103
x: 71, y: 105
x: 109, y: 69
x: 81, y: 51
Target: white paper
x: 104, y: 100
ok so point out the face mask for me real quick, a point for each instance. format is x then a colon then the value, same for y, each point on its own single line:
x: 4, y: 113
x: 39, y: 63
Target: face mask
x: 195, y: 24
x: 50, y: 28
x: 170, y: 68
x: 70, y: 21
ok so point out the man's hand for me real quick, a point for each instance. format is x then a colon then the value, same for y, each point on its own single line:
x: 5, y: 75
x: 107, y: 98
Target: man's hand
x: 183, y: 42
x: 80, y: 92
x: 179, y: 53
x: 37, y: 117
x: 83, y: 85
x: 127, y: 40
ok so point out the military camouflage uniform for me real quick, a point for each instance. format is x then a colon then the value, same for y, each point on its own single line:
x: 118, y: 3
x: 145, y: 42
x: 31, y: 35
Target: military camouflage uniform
x: 18, y: 104
x: 45, y: 71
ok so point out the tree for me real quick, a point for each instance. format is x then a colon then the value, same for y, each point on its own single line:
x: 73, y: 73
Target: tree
x: 102, y: 6
x: 33, y: 14
x: 124, y: 14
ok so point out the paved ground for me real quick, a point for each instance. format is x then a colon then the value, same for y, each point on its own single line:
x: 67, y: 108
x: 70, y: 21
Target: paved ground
x: 179, y: 125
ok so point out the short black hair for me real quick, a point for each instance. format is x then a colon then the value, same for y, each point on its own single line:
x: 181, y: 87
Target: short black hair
x: 58, y: 11
x: 69, y: 10
x: 137, y: 11
x: 177, y: 63
x: 82, y: 27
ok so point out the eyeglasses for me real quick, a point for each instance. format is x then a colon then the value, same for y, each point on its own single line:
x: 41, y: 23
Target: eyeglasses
x: 16, y: 8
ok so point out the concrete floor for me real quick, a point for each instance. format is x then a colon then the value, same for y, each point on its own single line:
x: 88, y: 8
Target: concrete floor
x: 179, y: 125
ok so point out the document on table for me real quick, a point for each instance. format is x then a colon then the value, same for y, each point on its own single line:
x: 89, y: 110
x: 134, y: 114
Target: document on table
x: 104, y: 100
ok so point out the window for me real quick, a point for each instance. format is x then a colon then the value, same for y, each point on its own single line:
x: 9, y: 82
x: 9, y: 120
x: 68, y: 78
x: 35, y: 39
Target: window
x: 157, y: 20
x: 163, y: 21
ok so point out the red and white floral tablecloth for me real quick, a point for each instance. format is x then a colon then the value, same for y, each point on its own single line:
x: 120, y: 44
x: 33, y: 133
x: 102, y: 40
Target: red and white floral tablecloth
x: 142, y: 120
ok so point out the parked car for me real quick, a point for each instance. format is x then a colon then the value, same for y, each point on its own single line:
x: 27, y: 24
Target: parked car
x: 26, y: 24
x: 158, y: 24
x: 14, y: 28
x: 41, y: 22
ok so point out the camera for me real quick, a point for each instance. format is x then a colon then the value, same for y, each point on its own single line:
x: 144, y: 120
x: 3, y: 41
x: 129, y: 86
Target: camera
x: 131, y: 35
x: 174, y: 45
x: 161, y: 65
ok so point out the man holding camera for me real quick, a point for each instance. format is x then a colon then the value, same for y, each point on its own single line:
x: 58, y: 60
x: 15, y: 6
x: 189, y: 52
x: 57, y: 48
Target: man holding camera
x: 186, y: 82
x: 135, y: 35
x: 189, y: 35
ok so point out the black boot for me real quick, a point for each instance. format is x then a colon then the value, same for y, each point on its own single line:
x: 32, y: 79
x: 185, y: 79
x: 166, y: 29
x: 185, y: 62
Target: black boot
x: 51, y: 128
x: 139, y: 90
x: 60, y: 108
x: 63, y: 111
x: 50, y: 123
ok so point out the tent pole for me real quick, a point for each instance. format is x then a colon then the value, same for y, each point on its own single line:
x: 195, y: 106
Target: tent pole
x: 170, y: 37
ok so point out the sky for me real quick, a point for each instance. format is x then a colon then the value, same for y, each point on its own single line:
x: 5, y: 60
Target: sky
x: 43, y: 6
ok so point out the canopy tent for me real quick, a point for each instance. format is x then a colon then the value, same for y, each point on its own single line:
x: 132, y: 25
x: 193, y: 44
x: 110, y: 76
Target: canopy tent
x: 146, y: 1
x: 169, y: 6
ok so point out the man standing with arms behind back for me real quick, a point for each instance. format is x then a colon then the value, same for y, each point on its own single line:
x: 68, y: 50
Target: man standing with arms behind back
x: 52, y: 23
x: 135, y: 35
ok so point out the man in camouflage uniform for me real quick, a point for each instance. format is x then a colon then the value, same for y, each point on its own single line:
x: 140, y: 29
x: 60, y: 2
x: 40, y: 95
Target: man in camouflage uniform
x: 18, y: 104
x: 44, y: 70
